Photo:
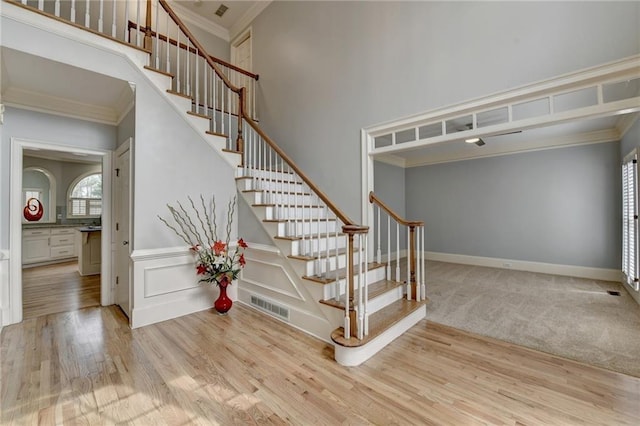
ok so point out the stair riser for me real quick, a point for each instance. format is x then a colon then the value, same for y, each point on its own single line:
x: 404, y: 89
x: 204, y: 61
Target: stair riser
x: 280, y: 212
x: 160, y: 80
x: 202, y: 124
x: 266, y: 174
x: 315, y: 245
x: 281, y: 198
x: 291, y: 229
x: 319, y: 266
x: 385, y: 299
x: 182, y: 103
x: 274, y: 186
x: 373, y: 276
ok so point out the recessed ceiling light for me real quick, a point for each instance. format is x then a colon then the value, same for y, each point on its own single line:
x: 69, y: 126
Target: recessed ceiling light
x: 472, y: 140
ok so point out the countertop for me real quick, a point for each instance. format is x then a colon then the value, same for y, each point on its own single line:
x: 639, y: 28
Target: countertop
x: 90, y: 229
x: 49, y: 225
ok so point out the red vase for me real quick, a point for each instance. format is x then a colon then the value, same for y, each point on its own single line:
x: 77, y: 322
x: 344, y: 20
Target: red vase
x: 223, y: 303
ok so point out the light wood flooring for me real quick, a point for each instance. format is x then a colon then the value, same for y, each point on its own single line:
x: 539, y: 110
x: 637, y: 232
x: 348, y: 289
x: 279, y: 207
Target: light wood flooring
x: 88, y: 367
x: 57, y: 288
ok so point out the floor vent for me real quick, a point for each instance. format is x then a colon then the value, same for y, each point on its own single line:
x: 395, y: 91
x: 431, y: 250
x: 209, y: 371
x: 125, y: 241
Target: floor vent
x: 613, y: 293
x: 270, y: 307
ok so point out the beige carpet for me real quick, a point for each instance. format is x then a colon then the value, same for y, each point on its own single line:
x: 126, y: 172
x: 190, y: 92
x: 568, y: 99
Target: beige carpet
x: 571, y: 317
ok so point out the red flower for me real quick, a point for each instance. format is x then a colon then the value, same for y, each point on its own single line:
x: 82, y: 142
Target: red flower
x: 242, y: 244
x: 201, y: 269
x: 241, y: 260
x: 218, y: 247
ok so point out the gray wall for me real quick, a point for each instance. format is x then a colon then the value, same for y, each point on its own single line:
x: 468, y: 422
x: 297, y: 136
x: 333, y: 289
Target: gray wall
x: 560, y: 206
x: 328, y: 69
x: 390, y: 184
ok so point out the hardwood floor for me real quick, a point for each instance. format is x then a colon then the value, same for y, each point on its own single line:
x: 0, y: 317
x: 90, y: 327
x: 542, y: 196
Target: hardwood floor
x: 88, y: 367
x: 57, y: 288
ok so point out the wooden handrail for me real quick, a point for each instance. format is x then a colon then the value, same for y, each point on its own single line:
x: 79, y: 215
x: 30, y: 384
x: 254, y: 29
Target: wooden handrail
x: 373, y: 199
x: 133, y: 25
x: 198, y: 46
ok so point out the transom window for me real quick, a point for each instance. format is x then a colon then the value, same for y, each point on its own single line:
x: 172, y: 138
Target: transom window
x: 85, y: 197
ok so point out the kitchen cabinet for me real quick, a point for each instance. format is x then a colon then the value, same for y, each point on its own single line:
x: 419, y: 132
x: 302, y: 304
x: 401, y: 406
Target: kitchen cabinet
x: 45, y: 245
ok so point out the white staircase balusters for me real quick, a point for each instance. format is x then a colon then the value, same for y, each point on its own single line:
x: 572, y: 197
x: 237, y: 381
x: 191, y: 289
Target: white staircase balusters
x: 167, y: 53
x: 87, y: 14
x: 205, y: 90
x: 138, y: 17
x: 101, y: 17
x: 187, y: 72
x: 229, y: 99
x: 157, y: 49
x: 397, y: 251
x: 409, y: 255
x: 41, y: 4
x: 56, y: 10
x: 365, y: 325
x: 388, y: 274
x: 197, y: 81
x: 178, y: 65
x: 378, y: 231
x: 423, y: 282
x: 73, y: 13
x: 114, y: 25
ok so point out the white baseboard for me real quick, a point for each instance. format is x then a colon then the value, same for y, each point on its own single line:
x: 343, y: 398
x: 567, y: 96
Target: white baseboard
x: 521, y: 265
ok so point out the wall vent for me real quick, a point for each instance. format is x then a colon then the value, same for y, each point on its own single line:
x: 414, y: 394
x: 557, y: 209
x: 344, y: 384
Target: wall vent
x: 270, y: 307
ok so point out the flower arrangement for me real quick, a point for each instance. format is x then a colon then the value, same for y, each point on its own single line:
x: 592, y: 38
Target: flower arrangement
x: 216, y: 260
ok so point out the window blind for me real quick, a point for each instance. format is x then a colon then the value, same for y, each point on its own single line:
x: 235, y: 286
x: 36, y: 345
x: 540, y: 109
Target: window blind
x: 630, y: 220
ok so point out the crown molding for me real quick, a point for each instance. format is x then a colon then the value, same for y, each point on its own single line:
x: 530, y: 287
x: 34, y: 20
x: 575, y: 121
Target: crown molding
x: 202, y: 23
x: 248, y: 17
x: 39, y: 102
x: 625, y: 122
x: 588, y: 138
x: 392, y: 160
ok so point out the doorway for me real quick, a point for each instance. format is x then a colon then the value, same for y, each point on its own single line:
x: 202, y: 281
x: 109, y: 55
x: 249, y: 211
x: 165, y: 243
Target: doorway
x: 18, y: 148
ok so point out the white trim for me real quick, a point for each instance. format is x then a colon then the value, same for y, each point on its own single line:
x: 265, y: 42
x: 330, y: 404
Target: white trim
x: 521, y: 265
x: 13, y: 314
x: 590, y: 138
x: 26, y: 99
x: 248, y: 17
x: 263, y: 247
x: 159, y: 253
x: 211, y: 27
x: 614, y: 71
x: 625, y: 122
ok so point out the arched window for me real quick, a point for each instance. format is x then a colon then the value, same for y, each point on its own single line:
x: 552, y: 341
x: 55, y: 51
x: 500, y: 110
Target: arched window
x: 85, y: 196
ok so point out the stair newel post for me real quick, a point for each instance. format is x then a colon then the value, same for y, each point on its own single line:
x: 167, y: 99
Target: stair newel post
x: 350, y: 319
x: 241, y: 103
x: 412, y: 262
x: 147, y: 31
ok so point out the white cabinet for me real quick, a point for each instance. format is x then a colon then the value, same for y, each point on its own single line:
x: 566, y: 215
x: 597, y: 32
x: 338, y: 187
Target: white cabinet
x: 62, y: 243
x: 35, y: 245
x: 47, y: 245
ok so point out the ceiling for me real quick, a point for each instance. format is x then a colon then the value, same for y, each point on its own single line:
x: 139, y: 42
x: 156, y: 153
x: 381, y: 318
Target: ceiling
x: 237, y: 17
x: 43, y: 85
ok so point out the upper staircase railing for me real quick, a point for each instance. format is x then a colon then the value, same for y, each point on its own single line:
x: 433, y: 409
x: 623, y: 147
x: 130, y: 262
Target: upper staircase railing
x: 416, y: 287
x: 208, y: 83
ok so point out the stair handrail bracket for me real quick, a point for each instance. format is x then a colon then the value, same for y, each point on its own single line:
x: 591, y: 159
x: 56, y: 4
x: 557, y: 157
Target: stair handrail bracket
x: 416, y: 283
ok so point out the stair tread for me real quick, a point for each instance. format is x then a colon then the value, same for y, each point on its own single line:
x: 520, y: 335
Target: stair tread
x: 306, y: 237
x: 276, y: 192
x: 290, y: 206
x: 341, y: 273
x: 262, y: 169
x: 296, y: 220
x: 197, y: 114
x: 379, y: 322
x: 314, y: 255
x: 173, y: 92
x: 209, y: 132
x: 168, y: 74
x: 375, y: 289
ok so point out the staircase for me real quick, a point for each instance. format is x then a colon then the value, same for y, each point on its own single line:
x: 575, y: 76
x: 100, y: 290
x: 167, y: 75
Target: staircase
x: 365, y: 304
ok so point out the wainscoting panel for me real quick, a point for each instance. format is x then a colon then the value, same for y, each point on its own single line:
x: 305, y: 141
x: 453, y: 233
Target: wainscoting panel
x: 165, y: 286
x: 268, y: 276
